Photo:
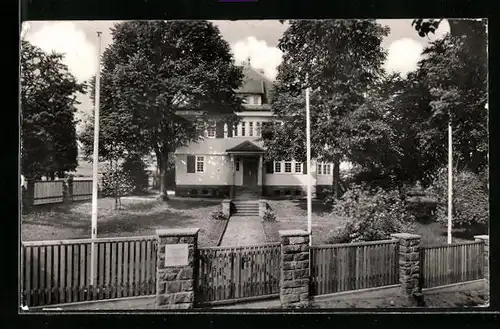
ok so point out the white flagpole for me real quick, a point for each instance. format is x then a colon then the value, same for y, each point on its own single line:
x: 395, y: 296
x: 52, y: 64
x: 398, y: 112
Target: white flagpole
x: 450, y: 180
x: 308, y: 163
x: 95, y: 159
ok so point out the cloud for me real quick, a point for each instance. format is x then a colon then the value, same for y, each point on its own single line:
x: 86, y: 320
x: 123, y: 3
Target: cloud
x: 261, y: 55
x: 403, y: 55
x: 68, y: 39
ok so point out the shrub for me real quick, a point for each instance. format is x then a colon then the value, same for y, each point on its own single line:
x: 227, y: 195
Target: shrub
x: 269, y: 216
x: 373, y: 214
x: 116, y: 183
x: 135, y: 168
x: 218, y: 215
x: 470, y: 198
x: 420, y: 202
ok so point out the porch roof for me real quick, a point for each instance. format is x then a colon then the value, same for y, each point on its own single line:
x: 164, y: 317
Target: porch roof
x: 246, y: 147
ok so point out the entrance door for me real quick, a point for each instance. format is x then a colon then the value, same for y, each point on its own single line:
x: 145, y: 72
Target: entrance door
x: 250, y: 172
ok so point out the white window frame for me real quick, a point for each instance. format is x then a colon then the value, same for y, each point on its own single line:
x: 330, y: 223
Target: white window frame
x: 277, y: 164
x: 258, y: 129
x: 291, y: 167
x: 250, y: 128
x: 200, y: 160
x: 211, y: 130
x: 243, y: 130
x: 300, y: 166
x: 324, y: 168
x: 257, y: 100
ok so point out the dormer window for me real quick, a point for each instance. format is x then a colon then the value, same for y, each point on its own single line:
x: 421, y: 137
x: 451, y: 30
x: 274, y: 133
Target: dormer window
x: 211, y: 130
x: 253, y: 100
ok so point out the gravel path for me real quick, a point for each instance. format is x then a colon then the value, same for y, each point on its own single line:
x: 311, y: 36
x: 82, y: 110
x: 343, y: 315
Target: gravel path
x: 243, y: 231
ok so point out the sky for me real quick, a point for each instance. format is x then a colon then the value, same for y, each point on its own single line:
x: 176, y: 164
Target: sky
x: 257, y: 39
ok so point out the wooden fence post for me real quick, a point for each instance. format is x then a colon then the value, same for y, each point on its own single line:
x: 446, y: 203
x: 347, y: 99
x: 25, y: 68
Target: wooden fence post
x: 295, y: 276
x: 486, y: 268
x: 409, y: 266
x: 176, y: 268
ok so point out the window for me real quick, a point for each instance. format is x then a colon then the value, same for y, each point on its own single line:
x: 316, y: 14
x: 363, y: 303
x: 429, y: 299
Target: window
x: 258, y: 129
x: 257, y: 100
x: 324, y: 169
x: 288, y: 166
x: 298, y: 167
x: 211, y: 130
x: 253, y: 100
x: 200, y: 164
x: 243, y: 124
x: 250, y: 129
x: 277, y: 167
x: 237, y: 164
x: 235, y: 132
x: 327, y: 170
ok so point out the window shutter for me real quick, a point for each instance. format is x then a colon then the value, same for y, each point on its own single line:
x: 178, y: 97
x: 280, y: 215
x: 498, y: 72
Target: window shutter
x: 219, y: 129
x: 191, y: 164
x: 269, y: 167
x: 230, y: 128
x: 304, y: 168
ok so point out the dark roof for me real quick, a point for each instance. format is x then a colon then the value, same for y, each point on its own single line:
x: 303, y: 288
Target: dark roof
x: 254, y: 82
x: 246, y: 146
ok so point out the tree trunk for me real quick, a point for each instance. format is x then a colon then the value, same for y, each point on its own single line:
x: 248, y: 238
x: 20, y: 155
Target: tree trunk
x: 163, y: 175
x: 336, y: 177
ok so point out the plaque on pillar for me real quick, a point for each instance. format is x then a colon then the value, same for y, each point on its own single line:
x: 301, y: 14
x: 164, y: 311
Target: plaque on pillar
x: 176, y: 255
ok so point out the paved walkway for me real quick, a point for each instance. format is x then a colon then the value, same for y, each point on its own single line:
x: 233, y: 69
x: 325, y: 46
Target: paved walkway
x: 243, y: 231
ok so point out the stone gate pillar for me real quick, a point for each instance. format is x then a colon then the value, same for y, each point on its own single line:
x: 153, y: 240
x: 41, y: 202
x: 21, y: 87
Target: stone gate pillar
x: 294, y: 281
x: 409, y: 265
x: 176, y: 268
x: 486, y: 270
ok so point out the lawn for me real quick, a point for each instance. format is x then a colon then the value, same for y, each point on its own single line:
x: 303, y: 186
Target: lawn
x: 292, y: 214
x: 139, y: 216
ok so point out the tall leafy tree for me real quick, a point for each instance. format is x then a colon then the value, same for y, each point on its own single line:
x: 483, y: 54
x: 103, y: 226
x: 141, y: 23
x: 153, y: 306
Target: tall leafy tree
x: 152, y: 70
x: 454, y: 70
x: 48, y: 99
x: 339, y: 60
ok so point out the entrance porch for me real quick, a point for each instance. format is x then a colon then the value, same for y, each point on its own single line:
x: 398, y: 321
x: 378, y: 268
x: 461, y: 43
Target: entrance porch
x: 248, y: 173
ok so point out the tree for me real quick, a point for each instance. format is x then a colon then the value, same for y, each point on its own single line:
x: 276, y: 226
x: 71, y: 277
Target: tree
x: 154, y: 69
x: 454, y: 69
x: 48, y: 99
x: 339, y: 60
x: 117, y: 183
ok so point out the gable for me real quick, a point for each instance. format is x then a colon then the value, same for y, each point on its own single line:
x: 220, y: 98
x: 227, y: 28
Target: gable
x: 245, y: 146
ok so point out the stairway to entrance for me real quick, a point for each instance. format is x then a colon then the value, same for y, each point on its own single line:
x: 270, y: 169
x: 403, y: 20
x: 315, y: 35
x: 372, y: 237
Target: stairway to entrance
x: 245, y: 208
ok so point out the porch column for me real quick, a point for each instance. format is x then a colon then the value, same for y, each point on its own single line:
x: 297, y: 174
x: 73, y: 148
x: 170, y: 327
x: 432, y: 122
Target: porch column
x: 260, y: 176
x: 231, y: 187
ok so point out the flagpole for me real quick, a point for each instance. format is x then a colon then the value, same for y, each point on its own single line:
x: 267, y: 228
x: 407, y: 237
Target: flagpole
x: 450, y: 180
x: 308, y: 163
x: 95, y: 159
